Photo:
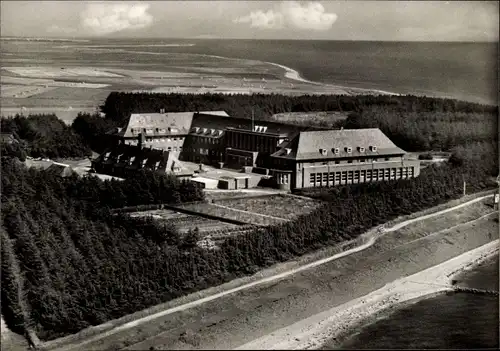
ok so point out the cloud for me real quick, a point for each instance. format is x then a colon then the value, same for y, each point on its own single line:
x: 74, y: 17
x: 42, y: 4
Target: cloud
x: 310, y: 16
x: 261, y: 19
x: 107, y: 18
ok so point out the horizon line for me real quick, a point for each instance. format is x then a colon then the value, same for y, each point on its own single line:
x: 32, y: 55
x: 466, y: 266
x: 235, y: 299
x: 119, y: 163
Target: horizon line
x: 261, y: 39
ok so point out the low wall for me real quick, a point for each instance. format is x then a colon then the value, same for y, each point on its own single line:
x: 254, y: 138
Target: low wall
x: 178, y: 209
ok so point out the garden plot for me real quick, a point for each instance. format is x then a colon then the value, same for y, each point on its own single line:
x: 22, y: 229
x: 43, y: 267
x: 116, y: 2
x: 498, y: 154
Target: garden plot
x: 282, y: 206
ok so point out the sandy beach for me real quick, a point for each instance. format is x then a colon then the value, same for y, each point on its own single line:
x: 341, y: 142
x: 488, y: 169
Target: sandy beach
x: 312, y: 333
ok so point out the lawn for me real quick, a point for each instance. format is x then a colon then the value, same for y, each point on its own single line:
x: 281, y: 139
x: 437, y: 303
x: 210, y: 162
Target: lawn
x: 234, y: 214
x: 282, y: 206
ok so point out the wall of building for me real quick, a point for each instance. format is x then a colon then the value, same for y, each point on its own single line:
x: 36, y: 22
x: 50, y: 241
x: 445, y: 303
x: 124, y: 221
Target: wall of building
x: 203, y: 149
x: 251, y: 141
x: 308, y: 175
x: 170, y: 143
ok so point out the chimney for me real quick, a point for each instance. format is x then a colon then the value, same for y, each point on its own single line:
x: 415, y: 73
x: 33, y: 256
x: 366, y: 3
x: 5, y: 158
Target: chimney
x: 141, y: 138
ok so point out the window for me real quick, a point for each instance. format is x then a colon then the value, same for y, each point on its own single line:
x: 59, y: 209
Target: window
x: 331, y: 177
x: 318, y: 177
x: 387, y: 158
x: 325, y: 177
x: 337, y: 177
x: 336, y: 150
x: 344, y: 176
x: 356, y: 175
x: 349, y: 149
x: 169, y: 148
x: 323, y: 152
x: 373, y: 148
x: 361, y: 149
x: 349, y: 161
x: 337, y: 162
x: 312, y: 177
x: 362, y: 160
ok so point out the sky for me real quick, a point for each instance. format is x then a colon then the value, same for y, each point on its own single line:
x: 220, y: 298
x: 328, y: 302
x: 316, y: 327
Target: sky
x: 315, y: 20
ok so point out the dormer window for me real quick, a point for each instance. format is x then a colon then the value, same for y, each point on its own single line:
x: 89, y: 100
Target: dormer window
x: 288, y: 150
x: 348, y: 149
x: 336, y: 150
x: 373, y: 148
x: 323, y: 152
x: 361, y: 149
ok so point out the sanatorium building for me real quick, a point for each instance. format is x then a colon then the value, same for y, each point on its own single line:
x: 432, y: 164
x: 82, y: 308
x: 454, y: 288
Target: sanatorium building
x: 292, y: 156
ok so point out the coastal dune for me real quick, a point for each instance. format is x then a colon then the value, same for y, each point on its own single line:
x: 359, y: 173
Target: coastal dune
x: 313, y: 332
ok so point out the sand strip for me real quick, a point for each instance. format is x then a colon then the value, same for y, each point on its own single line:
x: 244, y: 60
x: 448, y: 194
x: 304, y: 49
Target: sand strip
x: 313, y: 332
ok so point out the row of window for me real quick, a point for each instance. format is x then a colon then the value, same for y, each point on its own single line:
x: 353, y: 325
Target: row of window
x: 362, y: 175
x: 213, y: 141
x: 158, y: 140
x: 347, y: 149
x: 149, y: 131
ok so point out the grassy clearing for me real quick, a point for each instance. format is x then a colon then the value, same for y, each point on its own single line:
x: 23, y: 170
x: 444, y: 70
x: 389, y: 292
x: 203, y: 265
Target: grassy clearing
x: 247, y: 217
x: 282, y: 206
x: 435, y: 224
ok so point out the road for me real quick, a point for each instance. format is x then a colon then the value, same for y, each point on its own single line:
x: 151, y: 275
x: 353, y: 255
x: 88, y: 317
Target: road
x: 239, y: 315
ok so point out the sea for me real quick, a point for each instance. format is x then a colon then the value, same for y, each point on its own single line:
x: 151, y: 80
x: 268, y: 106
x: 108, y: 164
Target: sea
x: 446, y: 321
x: 464, y: 71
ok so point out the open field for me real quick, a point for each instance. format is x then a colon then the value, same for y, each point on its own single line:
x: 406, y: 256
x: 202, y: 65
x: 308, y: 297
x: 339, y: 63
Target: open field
x: 56, y: 79
x: 282, y: 206
x: 14, y: 91
x: 241, y: 317
x: 61, y: 72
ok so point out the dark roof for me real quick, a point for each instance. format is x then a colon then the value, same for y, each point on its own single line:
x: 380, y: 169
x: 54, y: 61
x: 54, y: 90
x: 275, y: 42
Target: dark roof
x: 131, y: 157
x: 221, y: 123
x: 308, y: 144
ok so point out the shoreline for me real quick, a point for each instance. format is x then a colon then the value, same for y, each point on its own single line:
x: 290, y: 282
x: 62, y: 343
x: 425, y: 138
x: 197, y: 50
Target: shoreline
x: 386, y: 312
x: 338, y: 323
x: 293, y: 74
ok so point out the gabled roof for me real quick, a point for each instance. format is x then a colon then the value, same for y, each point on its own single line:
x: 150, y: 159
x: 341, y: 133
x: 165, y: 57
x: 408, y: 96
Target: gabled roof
x: 221, y: 123
x: 170, y: 123
x: 307, y: 144
x: 131, y: 157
